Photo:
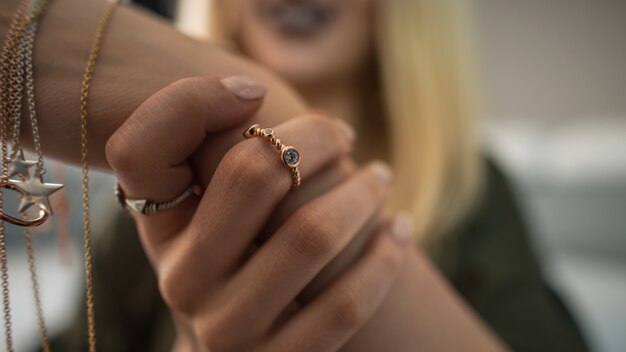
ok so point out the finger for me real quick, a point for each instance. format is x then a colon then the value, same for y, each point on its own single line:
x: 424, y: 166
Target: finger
x: 306, y: 243
x: 251, y: 178
x: 246, y: 187
x: 150, y: 151
x: 320, y: 183
x: 331, y: 319
x: 341, y: 262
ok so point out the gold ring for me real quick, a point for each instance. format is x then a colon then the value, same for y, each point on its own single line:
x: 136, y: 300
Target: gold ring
x: 288, y: 154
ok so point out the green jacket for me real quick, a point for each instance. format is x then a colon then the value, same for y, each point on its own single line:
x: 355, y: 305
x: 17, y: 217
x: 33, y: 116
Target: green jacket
x: 489, y: 260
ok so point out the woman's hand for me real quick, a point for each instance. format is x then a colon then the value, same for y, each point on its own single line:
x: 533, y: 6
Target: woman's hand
x: 226, y: 292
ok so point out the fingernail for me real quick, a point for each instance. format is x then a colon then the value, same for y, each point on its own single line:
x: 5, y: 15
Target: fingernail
x: 347, y: 130
x: 382, y: 171
x: 197, y: 190
x: 402, y: 228
x: 244, y: 87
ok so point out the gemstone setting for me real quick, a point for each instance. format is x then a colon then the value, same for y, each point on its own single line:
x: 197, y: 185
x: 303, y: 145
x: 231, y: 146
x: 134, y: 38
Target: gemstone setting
x: 291, y: 157
x: 268, y: 132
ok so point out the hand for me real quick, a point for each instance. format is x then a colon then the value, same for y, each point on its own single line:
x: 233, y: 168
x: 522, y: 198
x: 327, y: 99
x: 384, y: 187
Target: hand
x: 208, y: 142
x: 224, y: 293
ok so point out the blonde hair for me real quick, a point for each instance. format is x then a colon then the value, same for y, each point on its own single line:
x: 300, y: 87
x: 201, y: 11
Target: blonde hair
x: 425, y: 74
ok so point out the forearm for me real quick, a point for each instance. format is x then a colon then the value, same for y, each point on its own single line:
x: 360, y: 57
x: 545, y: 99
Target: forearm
x: 140, y: 54
x: 423, y: 313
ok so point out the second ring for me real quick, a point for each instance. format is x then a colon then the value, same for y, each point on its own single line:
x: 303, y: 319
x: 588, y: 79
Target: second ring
x: 288, y: 154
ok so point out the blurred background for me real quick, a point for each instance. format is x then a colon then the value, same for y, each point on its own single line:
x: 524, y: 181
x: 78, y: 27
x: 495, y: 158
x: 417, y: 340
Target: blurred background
x: 554, y: 83
x: 554, y: 75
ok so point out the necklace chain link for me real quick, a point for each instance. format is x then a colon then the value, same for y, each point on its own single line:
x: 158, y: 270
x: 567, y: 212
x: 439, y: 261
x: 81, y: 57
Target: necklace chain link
x: 8, y: 99
x: 86, y: 85
x: 17, y: 76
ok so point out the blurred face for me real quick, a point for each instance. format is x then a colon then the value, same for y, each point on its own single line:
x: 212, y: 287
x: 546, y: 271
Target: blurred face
x: 308, y: 42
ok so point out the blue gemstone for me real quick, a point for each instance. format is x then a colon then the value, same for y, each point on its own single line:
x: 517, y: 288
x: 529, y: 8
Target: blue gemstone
x: 291, y: 157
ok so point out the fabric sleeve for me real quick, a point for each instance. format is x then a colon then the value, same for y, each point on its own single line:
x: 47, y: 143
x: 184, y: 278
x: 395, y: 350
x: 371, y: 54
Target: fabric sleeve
x: 497, y: 272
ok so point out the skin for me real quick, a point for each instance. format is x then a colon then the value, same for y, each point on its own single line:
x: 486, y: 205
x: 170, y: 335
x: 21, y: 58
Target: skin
x: 390, y: 296
x: 140, y: 55
x: 213, y: 309
x: 320, y: 60
x: 327, y: 72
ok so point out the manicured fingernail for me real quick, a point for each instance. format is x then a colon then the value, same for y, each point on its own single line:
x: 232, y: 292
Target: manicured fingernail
x: 197, y: 190
x: 347, y: 130
x: 402, y: 228
x: 244, y: 87
x: 382, y: 171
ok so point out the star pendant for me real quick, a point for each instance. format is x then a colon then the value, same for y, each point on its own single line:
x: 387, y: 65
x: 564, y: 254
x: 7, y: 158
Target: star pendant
x: 34, y: 191
x: 20, y: 167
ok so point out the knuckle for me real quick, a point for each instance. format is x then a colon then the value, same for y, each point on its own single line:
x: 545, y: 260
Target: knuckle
x: 215, y: 334
x: 206, y: 333
x: 179, y: 97
x: 246, y: 165
x: 173, y: 293
x: 348, y: 312
x: 121, y: 149
x: 174, y: 92
x: 177, y: 94
x: 117, y: 153
x: 179, y: 84
x: 315, y: 233
x: 184, y: 87
x: 190, y: 94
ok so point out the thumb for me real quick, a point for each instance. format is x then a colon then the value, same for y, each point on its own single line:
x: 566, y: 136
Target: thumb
x: 150, y: 151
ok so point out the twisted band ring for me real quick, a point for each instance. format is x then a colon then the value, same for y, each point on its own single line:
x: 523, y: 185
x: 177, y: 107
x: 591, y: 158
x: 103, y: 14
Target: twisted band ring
x: 288, y: 154
x: 146, y: 206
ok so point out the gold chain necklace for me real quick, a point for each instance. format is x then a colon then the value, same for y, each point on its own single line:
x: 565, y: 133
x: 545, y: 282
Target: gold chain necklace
x: 89, y: 69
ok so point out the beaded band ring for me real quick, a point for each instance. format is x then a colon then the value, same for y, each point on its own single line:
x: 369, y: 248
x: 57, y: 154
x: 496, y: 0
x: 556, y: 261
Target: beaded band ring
x: 289, y: 155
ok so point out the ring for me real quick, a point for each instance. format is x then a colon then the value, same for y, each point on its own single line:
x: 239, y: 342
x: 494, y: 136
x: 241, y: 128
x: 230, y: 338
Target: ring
x: 148, y: 207
x: 288, y: 154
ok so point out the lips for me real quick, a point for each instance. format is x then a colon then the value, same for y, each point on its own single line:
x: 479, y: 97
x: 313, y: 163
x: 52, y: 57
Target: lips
x: 297, y: 18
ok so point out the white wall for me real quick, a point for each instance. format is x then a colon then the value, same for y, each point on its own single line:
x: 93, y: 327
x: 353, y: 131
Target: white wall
x: 553, y: 58
x: 554, y: 76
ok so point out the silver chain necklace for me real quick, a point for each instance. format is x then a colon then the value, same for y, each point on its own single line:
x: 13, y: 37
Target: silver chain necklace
x: 34, y: 192
x: 31, y: 186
